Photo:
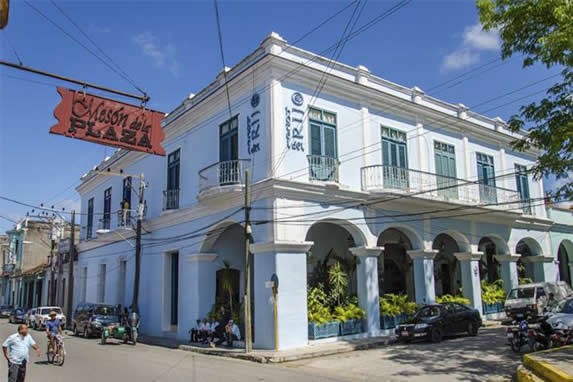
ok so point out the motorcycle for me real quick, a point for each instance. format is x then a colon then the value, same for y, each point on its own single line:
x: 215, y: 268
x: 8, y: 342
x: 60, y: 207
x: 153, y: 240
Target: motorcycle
x: 540, y: 336
x: 518, y: 335
x: 562, y: 335
x: 119, y: 332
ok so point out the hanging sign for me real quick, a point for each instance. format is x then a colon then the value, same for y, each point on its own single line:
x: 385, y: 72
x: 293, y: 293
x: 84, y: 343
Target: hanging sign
x: 108, y: 122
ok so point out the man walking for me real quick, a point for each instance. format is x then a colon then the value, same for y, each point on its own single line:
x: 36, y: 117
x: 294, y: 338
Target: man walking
x: 16, y: 349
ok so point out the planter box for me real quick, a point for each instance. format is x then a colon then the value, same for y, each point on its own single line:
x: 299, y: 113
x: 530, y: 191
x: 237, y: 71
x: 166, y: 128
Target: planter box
x: 317, y: 331
x: 350, y: 327
x: 387, y: 322
x: 493, y: 308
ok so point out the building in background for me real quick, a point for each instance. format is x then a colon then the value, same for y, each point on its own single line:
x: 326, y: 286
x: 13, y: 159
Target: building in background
x: 412, y: 194
x: 29, y: 248
x: 562, y: 240
x: 5, y: 275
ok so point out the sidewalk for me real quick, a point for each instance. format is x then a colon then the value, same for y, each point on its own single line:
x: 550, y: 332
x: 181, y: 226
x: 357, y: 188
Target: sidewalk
x: 268, y: 356
x: 554, y: 365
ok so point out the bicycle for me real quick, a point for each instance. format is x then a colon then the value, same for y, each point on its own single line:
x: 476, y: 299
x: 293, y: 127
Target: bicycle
x: 57, y: 357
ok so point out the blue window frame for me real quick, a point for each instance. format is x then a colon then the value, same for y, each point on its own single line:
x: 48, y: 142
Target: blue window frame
x: 323, y: 158
x: 486, y: 178
x: 106, y: 209
x: 445, y: 161
x: 394, y: 158
x: 523, y: 188
x: 90, y: 222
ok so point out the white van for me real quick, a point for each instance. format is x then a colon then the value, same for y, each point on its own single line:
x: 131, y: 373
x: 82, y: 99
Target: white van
x: 530, y: 300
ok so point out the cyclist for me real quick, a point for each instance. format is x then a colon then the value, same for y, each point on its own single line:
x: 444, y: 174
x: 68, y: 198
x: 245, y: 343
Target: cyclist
x: 53, y: 328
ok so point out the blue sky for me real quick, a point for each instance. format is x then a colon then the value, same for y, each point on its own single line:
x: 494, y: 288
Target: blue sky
x: 170, y: 50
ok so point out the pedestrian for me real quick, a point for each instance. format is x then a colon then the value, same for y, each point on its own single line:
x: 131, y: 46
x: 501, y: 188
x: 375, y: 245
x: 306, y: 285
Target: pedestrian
x: 233, y: 333
x: 16, y: 351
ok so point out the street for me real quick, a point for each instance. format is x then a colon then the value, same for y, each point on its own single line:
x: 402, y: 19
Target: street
x: 460, y: 359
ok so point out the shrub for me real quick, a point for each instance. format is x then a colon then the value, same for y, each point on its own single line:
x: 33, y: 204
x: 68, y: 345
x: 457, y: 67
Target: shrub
x: 344, y: 313
x: 394, y: 304
x: 318, y: 311
x: 492, y: 293
x: 449, y: 298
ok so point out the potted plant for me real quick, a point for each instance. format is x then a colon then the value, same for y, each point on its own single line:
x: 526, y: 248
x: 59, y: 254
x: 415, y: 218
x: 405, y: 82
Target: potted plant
x: 321, y: 324
x: 350, y: 318
x: 389, y: 309
x: 492, y: 296
x: 450, y: 298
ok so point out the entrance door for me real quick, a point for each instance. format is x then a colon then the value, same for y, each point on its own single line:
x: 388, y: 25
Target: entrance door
x: 394, y: 159
x: 445, y: 159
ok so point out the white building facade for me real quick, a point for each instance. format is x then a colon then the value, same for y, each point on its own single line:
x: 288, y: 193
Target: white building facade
x: 425, y: 197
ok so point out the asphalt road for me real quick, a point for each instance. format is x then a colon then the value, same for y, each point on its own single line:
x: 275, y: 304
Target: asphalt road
x: 460, y: 359
x: 482, y: 358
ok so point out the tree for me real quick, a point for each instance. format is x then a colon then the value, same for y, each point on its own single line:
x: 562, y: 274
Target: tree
x: 541, y: 30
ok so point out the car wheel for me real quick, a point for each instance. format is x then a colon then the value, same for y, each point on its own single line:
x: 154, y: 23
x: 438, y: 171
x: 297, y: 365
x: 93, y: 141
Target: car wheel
x: 436, y: 335
x: 76, y: 333
x: 472, y: 329
x: 86, y: 333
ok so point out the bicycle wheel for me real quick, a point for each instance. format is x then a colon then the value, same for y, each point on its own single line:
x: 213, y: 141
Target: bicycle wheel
x: 60, y: 355
x: 49, y: 354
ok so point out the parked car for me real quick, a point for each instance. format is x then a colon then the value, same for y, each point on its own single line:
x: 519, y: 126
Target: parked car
x: 42, y: 315
x: 531, y: 299
x: 5, y: 311
x: 18, y: 316
x: 436, y: 321
x: 90, y: 319
x: 562, y: 313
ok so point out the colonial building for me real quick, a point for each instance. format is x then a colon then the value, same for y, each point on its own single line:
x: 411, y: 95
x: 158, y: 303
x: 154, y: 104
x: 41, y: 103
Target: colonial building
x: 421, y: 196
x: 562, y: 241
x: 28, y: 252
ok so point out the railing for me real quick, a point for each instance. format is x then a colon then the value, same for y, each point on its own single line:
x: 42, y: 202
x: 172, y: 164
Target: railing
x: 379, y: 178
x: 223, y: 174
x: 124, y: 218
x: 171, y: 199
x: 323, y: 168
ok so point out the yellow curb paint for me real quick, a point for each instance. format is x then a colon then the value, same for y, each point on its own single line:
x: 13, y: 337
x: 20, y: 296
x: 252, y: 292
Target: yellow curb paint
x: 546, y: 370
x: 525, y: 375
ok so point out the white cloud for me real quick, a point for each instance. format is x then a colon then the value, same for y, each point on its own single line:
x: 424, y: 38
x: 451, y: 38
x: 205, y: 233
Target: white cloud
x: 460, y: 59
x: 162, y: 55
x: 474, y: 41
x: 475, y: 37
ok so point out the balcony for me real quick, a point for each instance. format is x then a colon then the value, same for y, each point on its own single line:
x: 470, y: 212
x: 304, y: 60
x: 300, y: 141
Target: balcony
x: 389, y: 179
x: 171, y: 199
x: 223, y: 176
x: 323, y: 168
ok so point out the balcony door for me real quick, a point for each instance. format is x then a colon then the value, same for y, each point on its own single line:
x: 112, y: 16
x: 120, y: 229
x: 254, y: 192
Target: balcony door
x: 229, y: 152
x: 523, y: 188
x: 323, y: 159
x: 173, y: 180
x: 486, y: 177
x: 445, y: 159
x: 394, y: 159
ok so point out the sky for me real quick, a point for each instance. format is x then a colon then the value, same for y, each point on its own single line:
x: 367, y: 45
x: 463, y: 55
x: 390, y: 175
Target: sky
x: 170, y: 49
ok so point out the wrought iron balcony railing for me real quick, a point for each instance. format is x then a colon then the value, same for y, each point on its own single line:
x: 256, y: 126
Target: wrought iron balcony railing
x: 221, y: 174
x: 171, y: 199
x: 382, y: 178
x: 323, y: 168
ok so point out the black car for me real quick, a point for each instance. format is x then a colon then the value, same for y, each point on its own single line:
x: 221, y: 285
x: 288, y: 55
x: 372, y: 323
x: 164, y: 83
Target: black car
x: 90, y: 319
x: 436, y: 321
x: 5, y: 311
x: 18, y: 316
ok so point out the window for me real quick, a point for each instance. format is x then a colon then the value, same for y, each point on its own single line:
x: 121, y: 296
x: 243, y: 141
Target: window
x: 101, y: 283
x: 174, y: 287
x: 523, y: 188
x: 229, y: 172
x: 121, y: 282
x: 394, y: 158
x: 106, y: 209
x: 486, y: 178
x: 90, y: 225
x: 126, y: 201
x: 173, y: 173
x: 323, y: 159
x: 445, y: 160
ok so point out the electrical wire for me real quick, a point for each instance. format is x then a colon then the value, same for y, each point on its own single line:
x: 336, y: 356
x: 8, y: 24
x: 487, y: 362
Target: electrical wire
x: 222, y: 52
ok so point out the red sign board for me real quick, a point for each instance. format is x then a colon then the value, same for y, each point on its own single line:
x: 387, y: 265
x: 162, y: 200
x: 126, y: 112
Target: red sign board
x: 108, y: 122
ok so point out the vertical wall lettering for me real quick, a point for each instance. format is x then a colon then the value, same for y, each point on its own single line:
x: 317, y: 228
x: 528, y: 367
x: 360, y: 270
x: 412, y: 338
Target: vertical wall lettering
x: 294, y: 123
x: 253, y: 126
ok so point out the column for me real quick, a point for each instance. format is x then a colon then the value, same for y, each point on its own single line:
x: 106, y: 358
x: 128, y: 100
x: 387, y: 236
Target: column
x: 471, y: 285
x: 543, y: 267
x: 508, y: 270
x: 367, y: 283
x: 286, y: 260
x: 197, y: 285
x: 424, y: 287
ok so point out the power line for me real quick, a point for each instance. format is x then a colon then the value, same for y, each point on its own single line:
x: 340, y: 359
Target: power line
x: 82, y: 45
x: 71, y: 20
x: 13, y: 49
x: 222, y: 52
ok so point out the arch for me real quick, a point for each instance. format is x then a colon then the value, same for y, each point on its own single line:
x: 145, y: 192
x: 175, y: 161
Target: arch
x: 447, y: 272
x: 395, y: 271
x: 565, y: 258
x: 353, y: 229
x: 395, y: 232
x: 215, y: 233
x: 461, y: 240
x: 527, y: 248
x: 491, y: 245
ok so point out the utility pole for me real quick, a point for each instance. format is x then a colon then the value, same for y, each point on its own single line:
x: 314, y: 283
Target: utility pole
x: 60, y: 301
x: 248, y: 232
x: 140, y: 210
x: 71, y: 257
x: 52, y: 266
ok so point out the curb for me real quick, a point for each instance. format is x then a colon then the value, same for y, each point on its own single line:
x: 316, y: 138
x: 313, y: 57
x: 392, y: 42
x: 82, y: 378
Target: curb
x: 281, y: 358
x: 545, y: 370
x: 525, y: 375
